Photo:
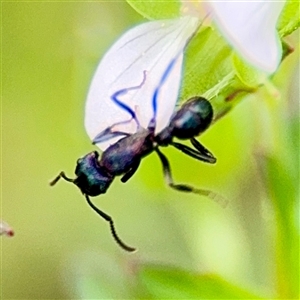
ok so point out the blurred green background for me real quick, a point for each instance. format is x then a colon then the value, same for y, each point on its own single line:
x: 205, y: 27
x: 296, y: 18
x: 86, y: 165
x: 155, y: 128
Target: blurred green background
x: 63, y: 250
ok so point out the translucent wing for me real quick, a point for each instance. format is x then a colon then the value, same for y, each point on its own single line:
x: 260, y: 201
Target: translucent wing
x: 147, y: 47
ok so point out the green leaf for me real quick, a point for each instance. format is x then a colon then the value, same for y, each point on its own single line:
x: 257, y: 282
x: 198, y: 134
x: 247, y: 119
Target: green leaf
x: 90, y: 288
x: 282, y: 183
x: 289, y: 19
x: 209, y: 72
x: 207, y: 62
x: 165, y: 282
x: 157, y: 9
x: 249, y: 75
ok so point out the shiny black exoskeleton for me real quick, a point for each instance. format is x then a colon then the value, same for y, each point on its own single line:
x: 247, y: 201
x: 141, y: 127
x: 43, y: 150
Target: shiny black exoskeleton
x: 95, y: 174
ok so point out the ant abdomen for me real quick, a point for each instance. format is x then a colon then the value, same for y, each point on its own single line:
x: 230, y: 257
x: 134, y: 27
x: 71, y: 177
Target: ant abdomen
x: 192, y: 118
x: 189, y: 121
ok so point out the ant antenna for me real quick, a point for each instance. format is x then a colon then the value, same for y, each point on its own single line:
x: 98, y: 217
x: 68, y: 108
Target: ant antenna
x: 99, y: 212
x: 111, y: 223
x: 125, y: 91
x: 61, y: 175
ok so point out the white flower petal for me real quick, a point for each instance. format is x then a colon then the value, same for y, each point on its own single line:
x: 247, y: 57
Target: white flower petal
x: 251, y: 28
x: 147, y: 47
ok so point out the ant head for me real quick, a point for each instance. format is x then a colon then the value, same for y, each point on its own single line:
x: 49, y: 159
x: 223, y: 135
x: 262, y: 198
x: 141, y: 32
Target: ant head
x: 91, y: 178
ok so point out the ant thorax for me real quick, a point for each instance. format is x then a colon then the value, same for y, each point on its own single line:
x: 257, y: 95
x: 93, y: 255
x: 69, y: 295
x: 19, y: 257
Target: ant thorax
x: 121, y: 156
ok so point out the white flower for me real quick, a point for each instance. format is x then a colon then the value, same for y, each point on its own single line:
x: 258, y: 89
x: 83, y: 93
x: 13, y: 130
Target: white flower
x: 250, y: 27
x: 147, y: 49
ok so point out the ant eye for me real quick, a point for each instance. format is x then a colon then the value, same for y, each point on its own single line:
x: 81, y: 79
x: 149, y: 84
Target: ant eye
x: 155, y: 44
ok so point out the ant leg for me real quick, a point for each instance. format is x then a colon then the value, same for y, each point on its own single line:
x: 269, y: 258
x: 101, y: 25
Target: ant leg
x: 123, y: 105
x: 201, y: 148
x: 109, y: 133
x: 203, y: 156
x: 130, y: 173
x: 112, y: 131
x: 187, y: 188
x: 111, y: 223
x: 60, y: 175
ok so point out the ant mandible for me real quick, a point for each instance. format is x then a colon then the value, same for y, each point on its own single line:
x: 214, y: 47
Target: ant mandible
x: 95, y: 175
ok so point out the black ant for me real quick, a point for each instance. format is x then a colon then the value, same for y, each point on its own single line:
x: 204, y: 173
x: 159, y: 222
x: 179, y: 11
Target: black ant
x: 95, y: 175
